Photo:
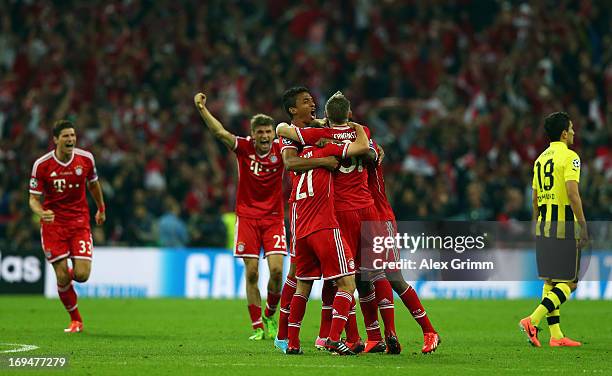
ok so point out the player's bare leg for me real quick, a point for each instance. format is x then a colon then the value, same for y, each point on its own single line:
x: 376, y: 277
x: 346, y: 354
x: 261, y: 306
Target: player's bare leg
x: 67, y: 294
x: 254, y: 297
x: 275, y: 265
x: 431, y: 339
x: 81, y: 270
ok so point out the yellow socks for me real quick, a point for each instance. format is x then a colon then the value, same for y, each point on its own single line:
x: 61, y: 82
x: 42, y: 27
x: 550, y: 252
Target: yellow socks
x: 550, y: 303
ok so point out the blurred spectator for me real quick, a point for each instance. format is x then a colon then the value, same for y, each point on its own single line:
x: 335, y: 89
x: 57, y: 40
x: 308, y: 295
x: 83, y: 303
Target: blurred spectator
x: 172, y: 231
x: 454, y: 91
x: 141, y: 230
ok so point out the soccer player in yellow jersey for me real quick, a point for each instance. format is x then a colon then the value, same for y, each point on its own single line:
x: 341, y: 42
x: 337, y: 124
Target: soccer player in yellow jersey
x: 561, y: 229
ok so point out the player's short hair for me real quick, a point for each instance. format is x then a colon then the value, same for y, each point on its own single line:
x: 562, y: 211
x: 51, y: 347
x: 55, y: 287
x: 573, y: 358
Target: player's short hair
x: 555, y: 124
x: 337, y: 108
x: 261, y: 120
x: 290, y: 96
x: 60, y: 125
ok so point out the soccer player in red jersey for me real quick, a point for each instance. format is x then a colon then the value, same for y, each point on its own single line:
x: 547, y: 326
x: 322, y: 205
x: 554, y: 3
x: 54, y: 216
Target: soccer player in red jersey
x: 259, y: 211
x: 300, y: 106
x: 354, y: 204
x: 386, y: 218
x: 60, y: 177
x: 320, y: 247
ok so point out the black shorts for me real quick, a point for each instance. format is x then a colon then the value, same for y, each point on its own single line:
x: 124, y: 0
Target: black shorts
x: 558, y: 259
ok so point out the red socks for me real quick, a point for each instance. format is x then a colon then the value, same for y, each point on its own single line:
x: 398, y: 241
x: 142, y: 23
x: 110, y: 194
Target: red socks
x: 255, y: 313
x: 271, y: 303
x: 412, y: 302
x: 352, y: 332
x: 327, y: 299
x: 298, y: 308
x: 285, y: 302
x: 369, y: 309
x: 340, y: 313
x: 384, y: 299
x: 69, y: 297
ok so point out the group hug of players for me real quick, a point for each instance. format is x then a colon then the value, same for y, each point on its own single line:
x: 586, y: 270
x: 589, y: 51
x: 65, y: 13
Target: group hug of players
x: 337, y: 184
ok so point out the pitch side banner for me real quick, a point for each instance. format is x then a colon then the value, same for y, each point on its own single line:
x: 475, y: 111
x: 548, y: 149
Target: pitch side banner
x: 158, y: 272
x: 216, y: 274
x: 21, y: 272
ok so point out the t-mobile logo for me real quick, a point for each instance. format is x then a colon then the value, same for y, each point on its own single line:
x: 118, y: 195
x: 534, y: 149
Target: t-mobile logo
x: 255, y: 167
x: 59, y: 184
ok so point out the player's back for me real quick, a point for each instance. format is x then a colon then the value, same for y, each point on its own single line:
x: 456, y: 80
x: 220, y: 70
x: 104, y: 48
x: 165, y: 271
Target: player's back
x: 313, y: 194
x: 351, y: 178
x: 551, y: 170
x: 63, y: 185
x: 376, y: 185
x: 259, y: 180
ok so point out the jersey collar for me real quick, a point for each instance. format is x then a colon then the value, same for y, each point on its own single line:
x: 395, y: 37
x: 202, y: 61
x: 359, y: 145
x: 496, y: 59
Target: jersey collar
x: 558, y: 144
x: 62, y: 163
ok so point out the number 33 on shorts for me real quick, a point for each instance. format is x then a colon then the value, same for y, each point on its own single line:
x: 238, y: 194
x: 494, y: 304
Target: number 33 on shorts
x: 82, y: 245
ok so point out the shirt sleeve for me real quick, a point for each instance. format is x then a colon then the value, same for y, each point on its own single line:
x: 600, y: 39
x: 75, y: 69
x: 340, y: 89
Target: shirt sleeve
x: 241, y: 145
x: 92, y: 175
x: 287, y: 143
x: 572, y: 167
x: 310, y: 136
x: 36, y: 183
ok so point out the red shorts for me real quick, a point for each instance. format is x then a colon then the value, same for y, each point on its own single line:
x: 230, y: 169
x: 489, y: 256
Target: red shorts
x: 251, y: 235
x: 323, y: 253
x: 350, y: 225
x: 60, y: 241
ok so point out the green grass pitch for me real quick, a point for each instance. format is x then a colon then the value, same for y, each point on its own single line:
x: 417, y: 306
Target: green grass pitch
x: 175, y: 336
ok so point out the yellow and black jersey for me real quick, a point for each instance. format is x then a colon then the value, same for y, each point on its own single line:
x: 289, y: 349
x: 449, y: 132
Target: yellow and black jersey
x: 555, y: 166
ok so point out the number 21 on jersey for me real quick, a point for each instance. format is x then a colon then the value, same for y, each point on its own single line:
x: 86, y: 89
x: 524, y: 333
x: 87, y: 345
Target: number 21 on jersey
x: 299, y: 195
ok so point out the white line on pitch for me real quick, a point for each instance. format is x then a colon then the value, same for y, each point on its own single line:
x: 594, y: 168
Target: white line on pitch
x: 20, y: 347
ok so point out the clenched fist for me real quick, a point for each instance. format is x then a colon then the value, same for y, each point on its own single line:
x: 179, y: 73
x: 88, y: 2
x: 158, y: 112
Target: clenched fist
x: 200, y: 100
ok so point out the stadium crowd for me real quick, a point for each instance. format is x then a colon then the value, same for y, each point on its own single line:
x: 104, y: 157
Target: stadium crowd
x: 455, y: 92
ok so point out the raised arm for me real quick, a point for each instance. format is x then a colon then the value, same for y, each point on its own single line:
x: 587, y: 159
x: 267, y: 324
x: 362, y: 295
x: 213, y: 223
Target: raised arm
x: 294, y: 163
x: 287, y: 131
x: 213, y: 124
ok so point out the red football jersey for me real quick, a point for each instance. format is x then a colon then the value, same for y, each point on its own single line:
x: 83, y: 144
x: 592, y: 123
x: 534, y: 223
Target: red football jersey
x: 351, y: 179
x: 287, y: 143
x: 376, y: 184
x: 63, y: 185
x: 260, y: 180
x: 314, y: 192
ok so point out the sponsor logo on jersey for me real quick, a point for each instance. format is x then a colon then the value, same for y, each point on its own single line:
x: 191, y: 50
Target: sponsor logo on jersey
x: 53, y: 174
